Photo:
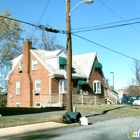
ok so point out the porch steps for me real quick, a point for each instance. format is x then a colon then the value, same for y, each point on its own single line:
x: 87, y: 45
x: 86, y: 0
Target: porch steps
x: 110, y: 96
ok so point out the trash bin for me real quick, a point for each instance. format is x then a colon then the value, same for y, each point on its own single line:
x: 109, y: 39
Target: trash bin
x: 67, y: 118
x: 75, y: 116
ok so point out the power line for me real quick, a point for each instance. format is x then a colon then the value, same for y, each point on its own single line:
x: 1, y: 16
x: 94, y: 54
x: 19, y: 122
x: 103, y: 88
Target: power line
x: 64, y: 32
x: 38, y: 26
x: 40, y: 18
x: 105, y: 47
x: 133, y: 7
x: 117, y: 15
x: 108, y: 27
x: 123, y: 8
x: 106, y: 24
x: 19, y: 21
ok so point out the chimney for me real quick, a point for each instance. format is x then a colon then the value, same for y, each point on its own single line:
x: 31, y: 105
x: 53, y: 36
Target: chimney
x: 26, y: 56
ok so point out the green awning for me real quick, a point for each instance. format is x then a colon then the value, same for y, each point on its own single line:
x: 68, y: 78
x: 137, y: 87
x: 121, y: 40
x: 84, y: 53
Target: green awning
x: 97, y: 64
x: 62, y: 61
x: 81, y: 82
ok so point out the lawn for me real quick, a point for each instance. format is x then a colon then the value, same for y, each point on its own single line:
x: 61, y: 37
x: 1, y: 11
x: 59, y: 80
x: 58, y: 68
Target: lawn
x: 16, y: 121
x: 7, y: 121
x: 123, y: 110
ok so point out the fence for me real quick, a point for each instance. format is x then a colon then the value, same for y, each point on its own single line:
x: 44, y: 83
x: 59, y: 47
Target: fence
x: 53, y: 100
x: 88, y: 99
x: 59, y: 100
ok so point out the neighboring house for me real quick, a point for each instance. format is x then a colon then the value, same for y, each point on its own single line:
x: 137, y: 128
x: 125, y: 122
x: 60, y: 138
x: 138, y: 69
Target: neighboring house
x: 132, y: 90
x: 38, y: 77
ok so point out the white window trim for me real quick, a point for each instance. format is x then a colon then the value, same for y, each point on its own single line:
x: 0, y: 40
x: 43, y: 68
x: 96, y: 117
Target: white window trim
x: 62, y: 86
x: 20, y: 64
x: 99, y: 90
x: 17, y: 104
x: 17, y: 87
x: 37, y: 103
x: 34, y: 62
x: 37, y: 81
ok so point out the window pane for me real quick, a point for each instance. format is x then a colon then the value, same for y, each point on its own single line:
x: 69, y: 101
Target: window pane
x: 62, y: 86
x: 18, y: 90
x: 98, y: 87
x: 38, y: 84
x: 17, y: 87
x: 34, y: 64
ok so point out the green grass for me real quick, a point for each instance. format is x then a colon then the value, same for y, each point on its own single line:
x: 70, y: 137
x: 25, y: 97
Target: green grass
x: 16, y: 121
x: 123, y: 110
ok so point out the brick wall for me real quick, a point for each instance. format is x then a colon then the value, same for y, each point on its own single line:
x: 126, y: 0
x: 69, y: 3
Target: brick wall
x: 27, y: 78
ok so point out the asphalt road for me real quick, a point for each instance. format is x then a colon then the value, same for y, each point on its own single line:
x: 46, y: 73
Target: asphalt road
x: 104, y: 127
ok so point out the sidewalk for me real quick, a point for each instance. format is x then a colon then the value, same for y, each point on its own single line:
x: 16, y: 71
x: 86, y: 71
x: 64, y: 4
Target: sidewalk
x: 27, y: 129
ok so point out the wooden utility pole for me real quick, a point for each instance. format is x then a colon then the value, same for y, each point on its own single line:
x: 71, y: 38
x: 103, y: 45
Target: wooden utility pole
x: 69, y: 58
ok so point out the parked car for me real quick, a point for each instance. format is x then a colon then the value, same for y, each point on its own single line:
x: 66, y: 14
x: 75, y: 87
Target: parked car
x: 128, y: 99
x: 137, y: 101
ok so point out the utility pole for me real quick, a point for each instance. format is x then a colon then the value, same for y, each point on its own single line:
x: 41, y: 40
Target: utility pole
x: 69, y: 57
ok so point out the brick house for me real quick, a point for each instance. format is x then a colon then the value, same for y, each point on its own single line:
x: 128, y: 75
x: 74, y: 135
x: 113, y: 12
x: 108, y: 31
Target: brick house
x: 38, y: 77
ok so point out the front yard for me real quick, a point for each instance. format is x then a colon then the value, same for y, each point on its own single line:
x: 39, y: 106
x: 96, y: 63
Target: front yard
x: 7, y: 121
x: 123, y: 110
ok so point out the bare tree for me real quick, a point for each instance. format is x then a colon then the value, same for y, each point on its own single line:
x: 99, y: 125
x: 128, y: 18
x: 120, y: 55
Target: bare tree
x: 47, y: 41
x: 136, y: 70
x: 133, y: 90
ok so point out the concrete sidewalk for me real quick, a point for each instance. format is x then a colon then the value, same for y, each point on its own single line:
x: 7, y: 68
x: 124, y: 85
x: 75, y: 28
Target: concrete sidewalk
x: 27, y: 129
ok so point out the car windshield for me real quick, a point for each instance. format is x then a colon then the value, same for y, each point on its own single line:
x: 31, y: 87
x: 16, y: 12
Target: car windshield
x: 134, y: 98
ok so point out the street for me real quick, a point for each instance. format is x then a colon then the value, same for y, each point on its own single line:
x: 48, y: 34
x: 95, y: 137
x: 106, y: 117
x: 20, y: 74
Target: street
x: 109, y: 129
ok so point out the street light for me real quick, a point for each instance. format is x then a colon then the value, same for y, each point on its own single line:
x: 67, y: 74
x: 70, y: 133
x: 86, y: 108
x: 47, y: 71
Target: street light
x: 85, y: 1
x: 113, y: 79
x: 69, y: 51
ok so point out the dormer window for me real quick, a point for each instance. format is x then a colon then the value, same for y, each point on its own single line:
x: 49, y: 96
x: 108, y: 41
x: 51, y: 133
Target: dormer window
x: 97, y: 65
x: 34, y: 64
x: 62, y: 63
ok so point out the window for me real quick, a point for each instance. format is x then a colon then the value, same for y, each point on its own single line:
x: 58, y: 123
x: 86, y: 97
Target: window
x: 37, y: 104
x: 37, y: 84
x: 97, y: 87
x: 96, y: 70
x: 17, y: 87
x: 62, y: 67
x: 20, y: 64
x: 62, y: 63
x: 17, y: 104
x: 62, y: 86
x: 34, y: 64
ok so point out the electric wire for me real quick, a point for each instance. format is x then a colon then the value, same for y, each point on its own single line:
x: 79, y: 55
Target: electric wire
x: 117, y: 15
x: 123, y: 8
x: 38, y: 26
x: 91, y: 27
x: 108, y: 27
x: 105, y: 47
x: 64, y: 32
x: 133, y: 7
x: 40, y: 19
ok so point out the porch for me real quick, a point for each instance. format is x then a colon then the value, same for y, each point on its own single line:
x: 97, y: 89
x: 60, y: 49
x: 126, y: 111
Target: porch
x: 59, y: 100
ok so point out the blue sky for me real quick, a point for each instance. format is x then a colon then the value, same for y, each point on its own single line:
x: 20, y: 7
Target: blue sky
x: 123, y: 39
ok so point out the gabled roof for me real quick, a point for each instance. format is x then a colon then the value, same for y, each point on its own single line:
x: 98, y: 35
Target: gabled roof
x: 44, y: 55
x: 82, y: 64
